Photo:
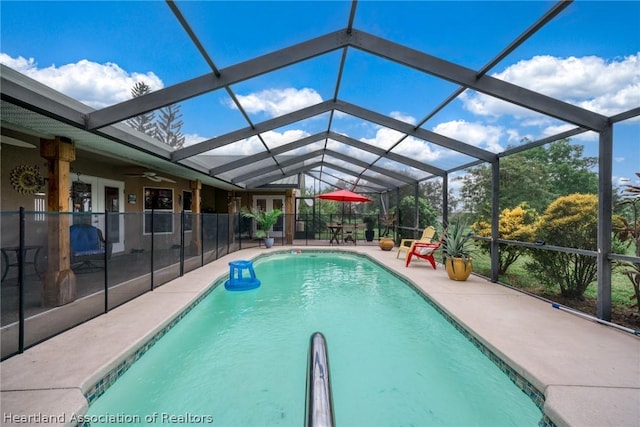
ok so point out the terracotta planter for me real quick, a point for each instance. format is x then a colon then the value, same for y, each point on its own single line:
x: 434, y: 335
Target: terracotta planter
x: 457, y: 268
x: 386, y: 243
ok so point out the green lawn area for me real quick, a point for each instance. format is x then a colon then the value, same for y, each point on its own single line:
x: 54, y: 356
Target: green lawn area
x: 517, y: 276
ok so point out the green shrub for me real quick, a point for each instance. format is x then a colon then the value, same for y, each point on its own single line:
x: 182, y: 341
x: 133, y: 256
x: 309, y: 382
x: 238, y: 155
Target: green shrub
x: 570, y: 221
x: 514, y: 224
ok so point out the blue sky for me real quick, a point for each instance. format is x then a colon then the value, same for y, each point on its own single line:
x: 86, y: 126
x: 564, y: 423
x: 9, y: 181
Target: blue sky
x: 589, y: 56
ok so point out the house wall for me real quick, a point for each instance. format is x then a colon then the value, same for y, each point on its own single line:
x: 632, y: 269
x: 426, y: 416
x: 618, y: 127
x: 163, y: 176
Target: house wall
x: 11, y: 200
x: 90, y: 164
x: 86, y: 165
x: 10, y: 158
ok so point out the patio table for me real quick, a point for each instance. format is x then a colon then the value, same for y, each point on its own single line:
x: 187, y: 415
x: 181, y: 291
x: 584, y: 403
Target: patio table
x: 334, y: 233
x: 15, y: 249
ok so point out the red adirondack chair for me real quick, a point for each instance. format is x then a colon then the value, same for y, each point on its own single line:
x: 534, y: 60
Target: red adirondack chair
x: 424, y: 251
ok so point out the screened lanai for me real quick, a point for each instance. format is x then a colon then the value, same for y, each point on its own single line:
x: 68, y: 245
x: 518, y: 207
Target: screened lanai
x: 374, y: 96
x: 427, y: 101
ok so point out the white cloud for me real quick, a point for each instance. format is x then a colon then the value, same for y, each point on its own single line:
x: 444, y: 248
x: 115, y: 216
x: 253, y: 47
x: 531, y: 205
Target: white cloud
x: 606, y: 87
x: 484, y: 136
x: 276, y: 139
x: 514, y: 137
x: 192, y: 138
x: 484, y: 105
x: 253, y: 145
x: 348, y: 150
x: 412, y: 147
x: 94, y: 84
x: 384, y: 138
x: 19, y: 64
x: 276, y: 102
x: 555, y: 130
x: 403, y: 117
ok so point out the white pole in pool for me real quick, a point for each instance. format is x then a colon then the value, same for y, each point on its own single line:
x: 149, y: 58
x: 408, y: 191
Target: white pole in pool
x: 319, y: 404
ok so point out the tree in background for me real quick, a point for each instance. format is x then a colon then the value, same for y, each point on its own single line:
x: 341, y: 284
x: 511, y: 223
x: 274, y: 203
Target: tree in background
x: 169, y: 125
x: 521, y: 180
x: 426, y: 213
x: 144, y: 123
x: 431, y: 191
x: 167, y: 128
x: 567, y: 169
x: 569, y: 221
x: 517, y: 224
x: 537, y: 176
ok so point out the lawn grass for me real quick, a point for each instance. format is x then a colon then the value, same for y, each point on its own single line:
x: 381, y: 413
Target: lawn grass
x: 517, y: 276
x: 622, y: 311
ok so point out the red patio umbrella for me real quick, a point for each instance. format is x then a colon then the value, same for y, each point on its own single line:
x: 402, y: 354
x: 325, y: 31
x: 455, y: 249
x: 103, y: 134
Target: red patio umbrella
x: 344, y: 196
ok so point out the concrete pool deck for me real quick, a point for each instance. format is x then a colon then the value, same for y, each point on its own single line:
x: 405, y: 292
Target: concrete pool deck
x: 588, y: 372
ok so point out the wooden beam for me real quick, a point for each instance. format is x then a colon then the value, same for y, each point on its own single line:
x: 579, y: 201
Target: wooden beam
x: 59, y: 285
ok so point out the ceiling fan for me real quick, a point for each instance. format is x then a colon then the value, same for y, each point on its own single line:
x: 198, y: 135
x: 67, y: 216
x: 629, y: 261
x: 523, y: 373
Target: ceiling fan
x: 150, y: 176
x: 4, y: 139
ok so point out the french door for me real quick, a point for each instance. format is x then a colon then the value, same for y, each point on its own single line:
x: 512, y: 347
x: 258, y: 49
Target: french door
x: 94, y: 194
x: 267, y: 203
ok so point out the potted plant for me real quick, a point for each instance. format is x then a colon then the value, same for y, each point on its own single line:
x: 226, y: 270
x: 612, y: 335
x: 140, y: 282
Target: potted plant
x: 265, y: 221
x: 368, y: 233
x: 457, y: 247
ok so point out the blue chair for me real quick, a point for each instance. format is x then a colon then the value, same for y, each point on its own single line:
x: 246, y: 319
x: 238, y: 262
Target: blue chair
x: 88, y: 246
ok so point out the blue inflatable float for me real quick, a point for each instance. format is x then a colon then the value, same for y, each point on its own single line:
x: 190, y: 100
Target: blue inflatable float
x: 237, y: 280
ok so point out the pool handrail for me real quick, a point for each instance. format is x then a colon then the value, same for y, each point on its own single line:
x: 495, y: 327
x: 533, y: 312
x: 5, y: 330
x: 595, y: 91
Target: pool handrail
x: 319, y: 402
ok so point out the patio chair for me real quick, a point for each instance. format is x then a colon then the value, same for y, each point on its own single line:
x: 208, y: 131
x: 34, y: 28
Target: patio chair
x: 349, y: 231
x: 87, y: 247
x: 424, y: 251
x: 406, y: 245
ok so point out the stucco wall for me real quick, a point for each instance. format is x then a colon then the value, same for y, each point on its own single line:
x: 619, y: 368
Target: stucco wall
x: 12, y: 157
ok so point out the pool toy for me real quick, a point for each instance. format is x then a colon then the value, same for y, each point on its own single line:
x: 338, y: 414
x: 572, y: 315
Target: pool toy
x: 238, y: 282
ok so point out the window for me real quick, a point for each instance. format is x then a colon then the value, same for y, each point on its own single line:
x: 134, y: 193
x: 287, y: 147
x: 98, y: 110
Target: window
x: 160, y: 201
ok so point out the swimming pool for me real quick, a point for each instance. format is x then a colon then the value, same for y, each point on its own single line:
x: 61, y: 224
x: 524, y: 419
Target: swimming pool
x: 239, y: 358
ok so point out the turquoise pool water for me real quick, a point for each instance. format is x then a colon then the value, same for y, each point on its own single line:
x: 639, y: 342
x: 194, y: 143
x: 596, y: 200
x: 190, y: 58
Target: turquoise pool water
x: 239, y: 358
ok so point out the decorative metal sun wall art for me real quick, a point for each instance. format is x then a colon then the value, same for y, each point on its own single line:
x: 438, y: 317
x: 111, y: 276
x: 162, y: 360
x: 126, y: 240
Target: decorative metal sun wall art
x: 26, y: 179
